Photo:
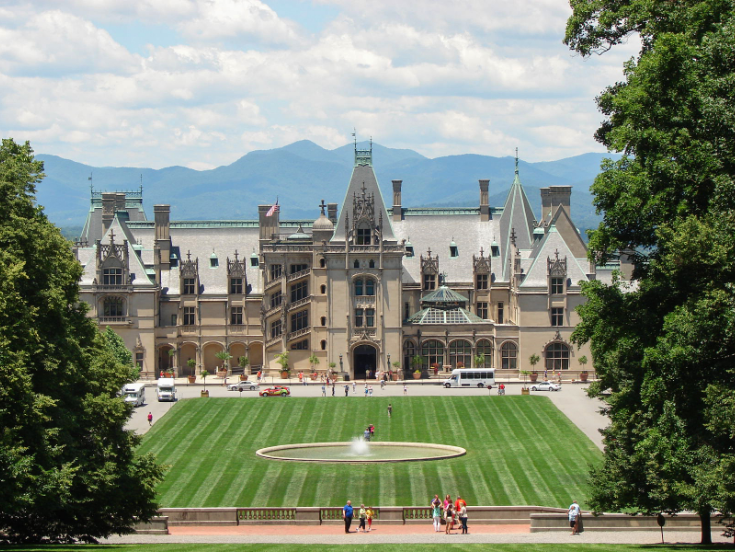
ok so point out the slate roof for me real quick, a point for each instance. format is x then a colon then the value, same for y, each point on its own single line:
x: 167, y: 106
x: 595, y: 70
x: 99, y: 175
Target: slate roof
x: 518, y: 216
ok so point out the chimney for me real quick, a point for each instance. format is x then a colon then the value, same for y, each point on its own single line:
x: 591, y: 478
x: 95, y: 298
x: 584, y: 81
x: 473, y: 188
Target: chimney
x: 162, y: 215
x: 553, y: 196
x: 108, y: 210
x: 332, y: 212
x: 397, y: 199
x: 120, y: 201
x: 268, y: 225
x: 484, y: 201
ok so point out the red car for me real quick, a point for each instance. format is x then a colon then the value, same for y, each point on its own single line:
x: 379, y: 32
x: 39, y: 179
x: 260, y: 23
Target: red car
x: 276, y: 391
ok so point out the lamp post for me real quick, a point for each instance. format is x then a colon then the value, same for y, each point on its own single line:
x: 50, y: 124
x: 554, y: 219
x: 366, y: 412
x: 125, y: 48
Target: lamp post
x: 341, y: 368
x: 390, y: 369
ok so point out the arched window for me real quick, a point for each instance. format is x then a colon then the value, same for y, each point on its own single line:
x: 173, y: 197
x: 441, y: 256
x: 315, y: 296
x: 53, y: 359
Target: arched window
x: 433, y: 351
x: 359, y: 286
x: 484, y: 347
x: 409, y: 351
x: 369, y: 286
x: 509, y: 356
x: 324, y: 320
x: 372, y: 264
x: 324, y: 344
x: 557, y: 356
x: 113, y: 307
x: 322, y: 263
x: 356, y: 264
x: 323, y: 289
x: 460, y: 354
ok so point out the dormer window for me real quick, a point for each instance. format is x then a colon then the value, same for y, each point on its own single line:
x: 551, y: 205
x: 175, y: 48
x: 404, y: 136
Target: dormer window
x: 429, y: 282
x: 481, y: 281
x: 189, y: 286
x: 363, y: 236
x: 236, y: 286
x: 213, y: 261
x: 254, y: 260
x: 112, y: 276
x: 495, y: 249
x: 557, y: 286
x: 409, y: 251
x: 453, y: 250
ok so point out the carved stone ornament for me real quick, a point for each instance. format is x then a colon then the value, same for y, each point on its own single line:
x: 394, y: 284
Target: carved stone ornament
x: 556, y: 266
x: 236, y: 267
x: 189, y: 268
x: 429, y: 264
x: 363, y: 209
x: 481, y: 264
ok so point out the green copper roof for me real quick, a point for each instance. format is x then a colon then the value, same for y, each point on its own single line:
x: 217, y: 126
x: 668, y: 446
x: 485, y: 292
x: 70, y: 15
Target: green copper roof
x: 443, y: 298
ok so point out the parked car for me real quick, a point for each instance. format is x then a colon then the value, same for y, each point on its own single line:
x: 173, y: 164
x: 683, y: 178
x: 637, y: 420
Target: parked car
x: 276, y: 391
x: 243, y: 386
x: 545, y: 386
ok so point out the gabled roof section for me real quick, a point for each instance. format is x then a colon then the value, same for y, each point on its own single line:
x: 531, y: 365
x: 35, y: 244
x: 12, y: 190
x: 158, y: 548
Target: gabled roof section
x: 137, y: 267
x: 444, y: 298
x: 363, y: 181
x: 517, y: 218
x: 553, y: 246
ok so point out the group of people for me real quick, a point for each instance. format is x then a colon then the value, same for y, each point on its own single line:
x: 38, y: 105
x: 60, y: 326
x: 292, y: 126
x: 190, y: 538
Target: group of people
x: 449, y: 513
x: 364, y: 514
x: 369, y: 432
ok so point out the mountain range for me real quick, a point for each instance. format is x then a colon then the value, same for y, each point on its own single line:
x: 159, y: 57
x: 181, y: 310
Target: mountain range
x: 303, y: 173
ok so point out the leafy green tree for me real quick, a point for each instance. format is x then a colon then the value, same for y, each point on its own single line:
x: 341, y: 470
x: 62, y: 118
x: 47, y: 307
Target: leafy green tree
x: 664, y: 346
x: 117, y: 348
x: 68, y: 467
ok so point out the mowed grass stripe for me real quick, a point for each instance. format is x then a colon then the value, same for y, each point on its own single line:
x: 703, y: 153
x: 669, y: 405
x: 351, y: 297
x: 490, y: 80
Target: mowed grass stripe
x: 498, y: 469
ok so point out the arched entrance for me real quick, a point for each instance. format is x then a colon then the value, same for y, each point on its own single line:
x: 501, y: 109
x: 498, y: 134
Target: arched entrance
x: 364, y: 358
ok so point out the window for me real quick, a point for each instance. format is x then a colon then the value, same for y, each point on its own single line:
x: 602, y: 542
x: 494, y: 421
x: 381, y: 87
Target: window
x: 323, y: 344
x: 363, y: 236
x: 509, y: 356
x: 557, y: 357
x: 406, y: 310
x: 433, y: 352
x: 299, y: 320
x: 481, y: 281
x: 322, y: 263
x: 254, y: 261
x: 460, y: 351
x: 324, y: 320
x: 189, y: 316
x: 236, y: 286
x: 371, y: 264
x: 356, y: 264
x: 276, y: 299
x: 276, y: 271
x: 298, y: 268
x: 557, y: 316
x: 300, y: 345
x: 323, y: 289
x: 557, y: 286
x: 213, y: 262
x: 409, y: 351
x: 370, y: 318
x: 369, y: 286
x: 139, y: 356
x: 409, y: 251
x: 484, y: 347
x: 276, y: 328
x: 189, y: 286
x: 453, y: 251
x: 359, y: 286
x: 113, y: 306
x: 236, y: 316
x: 495, y: 250
x: 359, y: 313
x: 482, y: 310
x: 429, y: 282
x: 500, y: 313
x: 299, y: 291
x: 112, y: 277
x: 174, y: 320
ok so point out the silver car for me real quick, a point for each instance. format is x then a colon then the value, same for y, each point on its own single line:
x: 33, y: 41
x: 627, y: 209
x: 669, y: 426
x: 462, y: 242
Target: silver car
x: 545, y: 386
x: 243, y: 386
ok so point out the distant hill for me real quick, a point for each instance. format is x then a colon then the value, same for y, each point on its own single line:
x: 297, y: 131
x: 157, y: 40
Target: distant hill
x: 303, y: 173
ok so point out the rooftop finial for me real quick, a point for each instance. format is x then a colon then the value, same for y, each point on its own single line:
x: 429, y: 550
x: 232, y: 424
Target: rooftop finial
x: 91, y: 185
x: 516, y: 161
x: 322, y: 206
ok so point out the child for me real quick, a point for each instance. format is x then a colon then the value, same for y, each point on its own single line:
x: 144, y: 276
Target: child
x: 369, y: 514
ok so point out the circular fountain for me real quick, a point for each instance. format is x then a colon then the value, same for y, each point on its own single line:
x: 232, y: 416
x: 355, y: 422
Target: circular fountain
x: 359, y: 451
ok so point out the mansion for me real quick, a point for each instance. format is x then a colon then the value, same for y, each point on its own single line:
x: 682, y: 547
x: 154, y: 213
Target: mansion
x: 365, y: 286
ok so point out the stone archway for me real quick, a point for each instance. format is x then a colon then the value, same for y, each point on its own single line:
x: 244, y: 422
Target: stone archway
x: 210, y: 362
x: 187, y: 351
x: 166, y: 361
x: 364, y: 358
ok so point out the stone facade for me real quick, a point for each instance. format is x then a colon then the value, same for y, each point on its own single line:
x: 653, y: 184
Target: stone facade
x: 366, y: 287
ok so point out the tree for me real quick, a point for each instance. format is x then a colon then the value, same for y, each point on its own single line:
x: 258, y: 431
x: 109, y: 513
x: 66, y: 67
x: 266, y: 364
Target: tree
x: 533, y: 361
x: 480, y: 360
x: 117, y: 348
x: 68, y: 467
x: 224, y: 356
x: 664, y: 346
x: 313, y: 361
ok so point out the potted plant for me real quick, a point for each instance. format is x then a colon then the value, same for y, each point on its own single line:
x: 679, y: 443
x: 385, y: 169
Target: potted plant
x: 204, y: 375
x: 524, y: 389
x: 583, y: 375
x: 416, y: 363
x: 314, y: 361
x: 243, y: 362
x: 533, y: 360
x: 224, y: 356
x: 332, y: 366
x: 480, y: 360
x: 191, y: 363
x: 396, y: 366
x: 460, y: 364
x: 282, y: 359
x: 171, y: 353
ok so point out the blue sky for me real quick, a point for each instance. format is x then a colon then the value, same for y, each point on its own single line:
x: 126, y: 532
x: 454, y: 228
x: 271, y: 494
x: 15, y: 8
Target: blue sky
x: 200, y: 83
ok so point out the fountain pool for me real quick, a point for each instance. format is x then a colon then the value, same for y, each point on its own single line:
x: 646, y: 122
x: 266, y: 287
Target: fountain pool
x: 359, y: 451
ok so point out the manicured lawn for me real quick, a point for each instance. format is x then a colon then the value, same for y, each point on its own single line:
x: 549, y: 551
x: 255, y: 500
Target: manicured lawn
x: 372, y: 547
x: 520, y: 450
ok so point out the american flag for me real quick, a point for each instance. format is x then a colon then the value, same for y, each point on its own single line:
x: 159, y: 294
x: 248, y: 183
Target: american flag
x: 273, y: 209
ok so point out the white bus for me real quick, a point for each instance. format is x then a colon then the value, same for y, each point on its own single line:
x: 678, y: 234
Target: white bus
x: 471, y: 377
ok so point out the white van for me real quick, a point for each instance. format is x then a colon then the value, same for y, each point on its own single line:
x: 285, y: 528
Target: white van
x: 166, y: 389
x: 134, y: 393
x: 471, y: 377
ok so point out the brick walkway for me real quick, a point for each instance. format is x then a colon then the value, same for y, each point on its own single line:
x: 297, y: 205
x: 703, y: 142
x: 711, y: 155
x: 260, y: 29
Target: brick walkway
x: 322, y: 530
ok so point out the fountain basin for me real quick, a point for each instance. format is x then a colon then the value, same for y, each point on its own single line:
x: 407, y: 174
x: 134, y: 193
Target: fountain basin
x: 377, y: 451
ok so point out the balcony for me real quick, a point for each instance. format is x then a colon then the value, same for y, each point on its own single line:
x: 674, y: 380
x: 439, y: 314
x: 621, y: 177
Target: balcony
x: 359, y: 332
x: 112, y: 287
x: 187, y: 330
x: 273, y: 283
x: 300, y: 303
x: 114, y: 320
x: 237, y: 328
x: 362, y: 301
x: 299, y: 333
x: 272, y: 310
x: 299, y: 274
x: 273, y: 340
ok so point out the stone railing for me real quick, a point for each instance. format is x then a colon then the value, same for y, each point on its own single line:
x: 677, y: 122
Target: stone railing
x: 371, y: 332
x: 299, y: 303
x: 237, y: 328
x: 299, y: 274
x: 298, y: 333
x: 272, y: 283
x: 114, y: 320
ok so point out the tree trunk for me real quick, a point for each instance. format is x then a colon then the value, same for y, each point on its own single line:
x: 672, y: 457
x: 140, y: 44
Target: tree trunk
x: 705, y: 517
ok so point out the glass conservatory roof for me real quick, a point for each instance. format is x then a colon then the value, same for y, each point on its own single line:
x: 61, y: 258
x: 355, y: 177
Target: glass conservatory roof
x: 431, y: 315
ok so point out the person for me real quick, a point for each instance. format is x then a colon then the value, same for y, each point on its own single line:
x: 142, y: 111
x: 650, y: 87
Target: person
x: 463, y: 518
x: 405, y: 389
x: 447, y: 502
x: 324, y: 390
x: 347, y: 512
x: 501, y: 389
x: 574, y: 513
x: 369, y: 513
x: 449, y: 515
x: 366, y: 390
x: 366, y: 434
x: 363, y: 519
x: 301, y: 377
x: 333, y: 389
x: 390, y: 410
x: 260, y: 374
x: 347, y: 390
x: 354, y: 386
x: 382, y: 384
x: 436, y: 513
x: 150, y: 418
x: 370, y: 390
x: 371, y: 427
x: 459, y: 503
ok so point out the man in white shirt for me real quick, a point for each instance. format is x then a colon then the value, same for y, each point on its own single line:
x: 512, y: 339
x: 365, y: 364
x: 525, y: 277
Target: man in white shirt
x: 574, y: 513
